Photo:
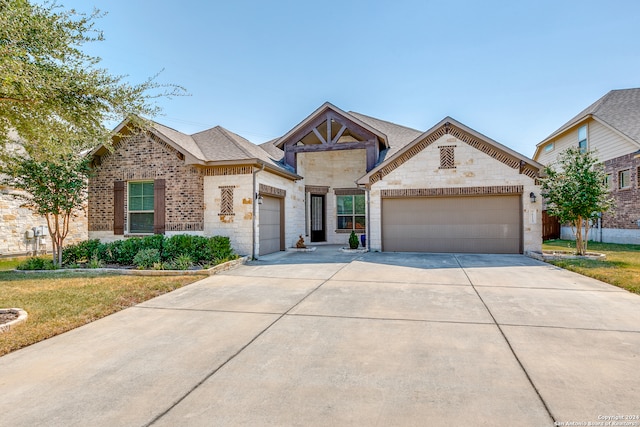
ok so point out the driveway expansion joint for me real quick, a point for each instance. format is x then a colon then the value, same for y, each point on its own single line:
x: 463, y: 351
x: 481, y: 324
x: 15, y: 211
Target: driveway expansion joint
x: 389, y: 319
x: 535, y: 388
x: 240, y: 350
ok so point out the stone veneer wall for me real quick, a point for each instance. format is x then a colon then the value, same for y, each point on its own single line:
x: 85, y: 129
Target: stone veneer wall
x: 141, y: 157
x: 238, y: 225
x: 16, y: 220
x: 333, y: 169
x: 473, y: 168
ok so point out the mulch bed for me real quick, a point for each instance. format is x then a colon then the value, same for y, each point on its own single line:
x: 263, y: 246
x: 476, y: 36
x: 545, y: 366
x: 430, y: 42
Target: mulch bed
x: 8, y: 317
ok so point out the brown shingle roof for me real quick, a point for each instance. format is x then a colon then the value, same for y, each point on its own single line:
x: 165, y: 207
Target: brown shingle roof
x: 398, y: 135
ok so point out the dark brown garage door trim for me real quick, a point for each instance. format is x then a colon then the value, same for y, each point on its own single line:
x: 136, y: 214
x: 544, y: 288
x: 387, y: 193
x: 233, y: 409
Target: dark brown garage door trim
x: 452, y: 191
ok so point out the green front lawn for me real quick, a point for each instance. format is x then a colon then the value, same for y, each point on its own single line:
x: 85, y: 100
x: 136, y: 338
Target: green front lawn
x: 10, y: 263
x: 621, y: 268
x: 58, y: 302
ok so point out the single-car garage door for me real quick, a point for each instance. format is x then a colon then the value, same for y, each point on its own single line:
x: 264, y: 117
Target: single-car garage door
x: 271, y: 225
x: 472, y: 224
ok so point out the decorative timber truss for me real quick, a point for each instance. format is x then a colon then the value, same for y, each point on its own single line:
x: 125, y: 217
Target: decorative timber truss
x: 328, y: 130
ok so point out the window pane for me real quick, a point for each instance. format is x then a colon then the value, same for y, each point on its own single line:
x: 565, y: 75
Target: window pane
x: 345, y: 222
x: 360, y: 205
x: 582, y: 133
x: 135, y: 203
x: 141, y: 223
x: 623, y: 179
x: 135, y: 189
x: 147, y: 203
x: 360, y: 223
x: 147, y: 189
x: 345, y: 204
x: 141, y: 196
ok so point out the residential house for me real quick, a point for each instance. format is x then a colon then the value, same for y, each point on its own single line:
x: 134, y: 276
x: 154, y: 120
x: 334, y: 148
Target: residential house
x: 449, y: 189
x: 610, y: 127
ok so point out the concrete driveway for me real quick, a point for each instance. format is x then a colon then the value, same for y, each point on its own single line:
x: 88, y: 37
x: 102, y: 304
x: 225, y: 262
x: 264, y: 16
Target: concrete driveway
x: 327, y: 338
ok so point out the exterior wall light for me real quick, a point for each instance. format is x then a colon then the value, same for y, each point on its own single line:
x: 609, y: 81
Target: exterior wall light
x: 532, y: 197
x: 259, y: 198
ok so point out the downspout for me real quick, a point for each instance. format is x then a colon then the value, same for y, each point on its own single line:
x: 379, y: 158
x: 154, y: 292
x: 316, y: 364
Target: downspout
x: 255, y: 209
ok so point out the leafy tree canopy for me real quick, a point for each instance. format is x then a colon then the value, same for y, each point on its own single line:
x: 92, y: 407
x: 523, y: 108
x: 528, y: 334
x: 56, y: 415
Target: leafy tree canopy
x: 54, y: 95
x: 575, y: 192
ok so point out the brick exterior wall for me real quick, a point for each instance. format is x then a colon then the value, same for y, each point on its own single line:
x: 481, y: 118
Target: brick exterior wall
x: 627, y: 210
x: 139, y: 157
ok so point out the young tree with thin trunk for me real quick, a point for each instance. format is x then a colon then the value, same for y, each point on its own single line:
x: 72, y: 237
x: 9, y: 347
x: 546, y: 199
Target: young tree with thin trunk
x: 575, y: 192
x: 54, y: 189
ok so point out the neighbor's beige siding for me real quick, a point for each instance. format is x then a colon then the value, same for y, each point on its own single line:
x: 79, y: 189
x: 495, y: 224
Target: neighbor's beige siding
x: 605, y: 142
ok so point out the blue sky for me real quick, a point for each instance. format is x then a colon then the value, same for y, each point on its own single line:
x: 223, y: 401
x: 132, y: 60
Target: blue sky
x: 512, y: 70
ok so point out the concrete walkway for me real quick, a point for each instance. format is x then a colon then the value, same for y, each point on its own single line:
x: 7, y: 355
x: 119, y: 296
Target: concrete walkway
x: 327, y: 338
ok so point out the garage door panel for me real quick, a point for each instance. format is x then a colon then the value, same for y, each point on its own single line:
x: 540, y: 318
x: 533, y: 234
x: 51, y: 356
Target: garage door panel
x: 483, y: 224
x: 270, y: 225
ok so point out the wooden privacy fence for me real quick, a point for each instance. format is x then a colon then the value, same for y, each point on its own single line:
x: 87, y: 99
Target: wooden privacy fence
x: 550, y: 226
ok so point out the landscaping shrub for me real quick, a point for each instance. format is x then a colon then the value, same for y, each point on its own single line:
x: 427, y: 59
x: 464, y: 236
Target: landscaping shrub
x: 128, y: 250
x: 81, y: 251
x: 220, y: 248
x: 199, y: 250
x: 183, y: 262
x: 37, y: 263
x: 177, y: 245
x: 111, y: 252
x: 146, y: 258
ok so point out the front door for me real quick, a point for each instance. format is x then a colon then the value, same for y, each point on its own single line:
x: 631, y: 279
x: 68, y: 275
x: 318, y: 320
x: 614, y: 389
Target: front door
x: 317, y: 218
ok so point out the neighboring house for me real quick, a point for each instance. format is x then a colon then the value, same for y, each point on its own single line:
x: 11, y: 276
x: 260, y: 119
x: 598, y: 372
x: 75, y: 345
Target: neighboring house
x: 610, y: 127
x: 449, y: 189
x: 24, y: 233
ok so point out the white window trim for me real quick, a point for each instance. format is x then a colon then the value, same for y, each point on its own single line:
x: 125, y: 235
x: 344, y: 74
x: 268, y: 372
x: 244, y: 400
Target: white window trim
x: 620, y: 172
x: 586, y: 137
x: 351, y: 215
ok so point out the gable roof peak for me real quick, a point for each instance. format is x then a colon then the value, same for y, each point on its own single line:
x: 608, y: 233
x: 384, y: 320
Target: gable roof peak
x: 618, y: 109
x: 316, y: 115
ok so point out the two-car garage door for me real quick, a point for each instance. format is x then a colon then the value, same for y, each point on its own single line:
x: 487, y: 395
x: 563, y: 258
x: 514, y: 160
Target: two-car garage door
x: 472, y: 224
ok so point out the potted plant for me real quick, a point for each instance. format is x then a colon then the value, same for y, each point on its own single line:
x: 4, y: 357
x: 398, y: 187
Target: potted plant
x: 353, y: 240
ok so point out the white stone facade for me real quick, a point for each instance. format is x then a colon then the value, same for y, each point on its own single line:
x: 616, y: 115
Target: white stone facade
x: 473, y: 169
x: 333, y: 169
x: 239, y: 226
x: 15, y: 221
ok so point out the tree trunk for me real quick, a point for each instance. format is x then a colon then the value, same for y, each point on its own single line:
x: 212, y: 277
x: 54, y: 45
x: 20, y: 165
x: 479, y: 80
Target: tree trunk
x: 579, y: 244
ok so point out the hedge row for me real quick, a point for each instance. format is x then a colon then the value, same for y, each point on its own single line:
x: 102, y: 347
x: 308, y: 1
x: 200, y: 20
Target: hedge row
x: 200, y: 250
